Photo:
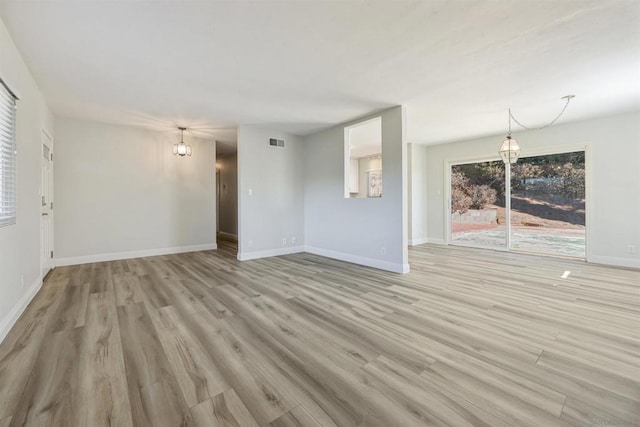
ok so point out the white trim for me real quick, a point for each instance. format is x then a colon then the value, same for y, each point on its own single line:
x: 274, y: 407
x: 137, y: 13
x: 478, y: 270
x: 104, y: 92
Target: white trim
x: 616, y: 261
x: 10, y: 320
x: 419, y: 241
x: 355, y: 259
x: 494, y: 248
x: 228, y: 236
x: 436, y: 241
x: 246, y: 256
x: 60, y: 262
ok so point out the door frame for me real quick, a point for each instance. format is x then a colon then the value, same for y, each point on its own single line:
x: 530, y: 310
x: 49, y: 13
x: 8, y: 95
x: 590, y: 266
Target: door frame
x: 544, y: 151
x: 48, y: 140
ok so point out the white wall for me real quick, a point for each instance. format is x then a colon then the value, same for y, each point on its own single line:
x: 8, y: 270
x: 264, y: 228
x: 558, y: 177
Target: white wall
x: 20, y: 243
x: 356, y: 229
x: 275, y: 210
x: 120, y: 192
x: 228, y: 209
x: 418, y: 190
x: 613, y: 162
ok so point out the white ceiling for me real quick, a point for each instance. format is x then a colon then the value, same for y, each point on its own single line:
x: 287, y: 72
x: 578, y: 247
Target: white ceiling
x: 304, y: 66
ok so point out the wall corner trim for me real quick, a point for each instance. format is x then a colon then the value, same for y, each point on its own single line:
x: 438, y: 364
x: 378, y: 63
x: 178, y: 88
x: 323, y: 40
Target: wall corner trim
x: 355, y: 259
x: 228, y: 236
x: 420, y: 241
x: 10, y: 320
x: 436, y: 241
x: 615, y: 261
x: 247, y: 256
x: 61, y: 262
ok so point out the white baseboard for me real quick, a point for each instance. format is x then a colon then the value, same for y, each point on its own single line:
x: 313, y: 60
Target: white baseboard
x: 369, y: 262
x: 619, y: 262
x: 13, y: 316
x: 246, y: 256
x: 60, y: 262
x: 228, y: 236
x: 416, y: 242
x: 436, y: 241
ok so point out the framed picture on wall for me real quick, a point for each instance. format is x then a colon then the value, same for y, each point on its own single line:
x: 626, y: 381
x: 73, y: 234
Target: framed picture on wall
x: 374, y: 183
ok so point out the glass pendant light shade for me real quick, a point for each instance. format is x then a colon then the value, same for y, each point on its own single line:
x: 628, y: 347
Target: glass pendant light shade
x: 510, y: 150
x: 182, y: 149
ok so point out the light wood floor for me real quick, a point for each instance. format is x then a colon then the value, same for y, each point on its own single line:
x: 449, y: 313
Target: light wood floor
x: 470, y: 337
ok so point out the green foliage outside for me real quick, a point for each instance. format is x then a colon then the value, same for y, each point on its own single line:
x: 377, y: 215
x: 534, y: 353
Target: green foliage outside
x: 559, y: 174
x: 479, y: 184
x: 468, y: 196
x: 476, y: 185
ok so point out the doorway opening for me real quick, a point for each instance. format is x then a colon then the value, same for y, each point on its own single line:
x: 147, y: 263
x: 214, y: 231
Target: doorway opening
x: 227, y: 197
x: 535, y: 205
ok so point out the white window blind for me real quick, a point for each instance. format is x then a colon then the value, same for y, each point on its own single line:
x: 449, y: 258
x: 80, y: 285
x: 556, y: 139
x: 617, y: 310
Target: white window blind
x: 8, y: 205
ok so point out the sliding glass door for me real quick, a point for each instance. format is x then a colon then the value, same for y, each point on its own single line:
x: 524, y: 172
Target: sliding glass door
x: 542, y: 209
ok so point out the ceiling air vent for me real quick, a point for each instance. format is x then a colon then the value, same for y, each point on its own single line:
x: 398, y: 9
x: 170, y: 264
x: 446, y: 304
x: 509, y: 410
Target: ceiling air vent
x: 276, y: 142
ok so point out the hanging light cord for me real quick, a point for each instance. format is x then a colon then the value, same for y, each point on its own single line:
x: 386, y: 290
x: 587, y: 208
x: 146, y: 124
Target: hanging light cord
x: 568, y: 99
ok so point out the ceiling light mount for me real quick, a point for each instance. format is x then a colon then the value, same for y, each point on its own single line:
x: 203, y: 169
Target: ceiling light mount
x: 181, y: 149
x: 510, y: 149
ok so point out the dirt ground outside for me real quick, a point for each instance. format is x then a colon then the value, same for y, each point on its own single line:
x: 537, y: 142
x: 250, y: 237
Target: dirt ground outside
x: 534, y: 231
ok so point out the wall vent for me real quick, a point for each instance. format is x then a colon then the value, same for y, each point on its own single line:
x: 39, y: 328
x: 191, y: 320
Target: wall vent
x: 274, y: 142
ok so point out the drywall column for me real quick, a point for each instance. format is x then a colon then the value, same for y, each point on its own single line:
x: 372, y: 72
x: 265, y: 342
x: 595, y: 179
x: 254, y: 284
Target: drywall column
x: 367, y: 231
x: 270, y: 194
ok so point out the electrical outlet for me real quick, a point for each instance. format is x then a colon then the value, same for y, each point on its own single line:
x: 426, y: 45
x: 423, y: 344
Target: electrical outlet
x: 250, y: 192
x: 293, y: 240
x: 383, y: 251
x: 250, y: 243
x: 284, y: 241
x: 631, y: 249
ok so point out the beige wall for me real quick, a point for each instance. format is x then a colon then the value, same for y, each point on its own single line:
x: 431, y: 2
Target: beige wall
x: 120, y: 193
x: 275, y: 208
x: 613, y: 178
x: 20, y: 275
x: 369, y: 231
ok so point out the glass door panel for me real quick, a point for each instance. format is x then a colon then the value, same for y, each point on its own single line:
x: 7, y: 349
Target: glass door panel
x: 548, y: 204
x: 478, y: 216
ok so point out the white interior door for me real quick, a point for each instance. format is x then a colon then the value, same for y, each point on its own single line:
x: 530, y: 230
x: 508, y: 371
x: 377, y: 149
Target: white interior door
x: 46, y: 199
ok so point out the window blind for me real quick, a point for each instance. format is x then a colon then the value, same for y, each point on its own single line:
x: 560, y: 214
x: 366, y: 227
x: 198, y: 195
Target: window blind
x: 8, y: 203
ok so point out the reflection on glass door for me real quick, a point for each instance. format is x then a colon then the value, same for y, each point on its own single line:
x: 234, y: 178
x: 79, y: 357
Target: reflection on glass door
x: 548, y: 204
x: 478, y: 204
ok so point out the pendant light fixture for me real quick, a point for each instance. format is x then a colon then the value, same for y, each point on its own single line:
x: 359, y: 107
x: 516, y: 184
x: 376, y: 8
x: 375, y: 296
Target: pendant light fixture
x: 181, y: 149
x: 510, y: 149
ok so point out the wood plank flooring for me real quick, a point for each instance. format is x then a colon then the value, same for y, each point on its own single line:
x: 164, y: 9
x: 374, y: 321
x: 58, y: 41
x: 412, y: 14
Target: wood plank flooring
x: 469, y: 337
